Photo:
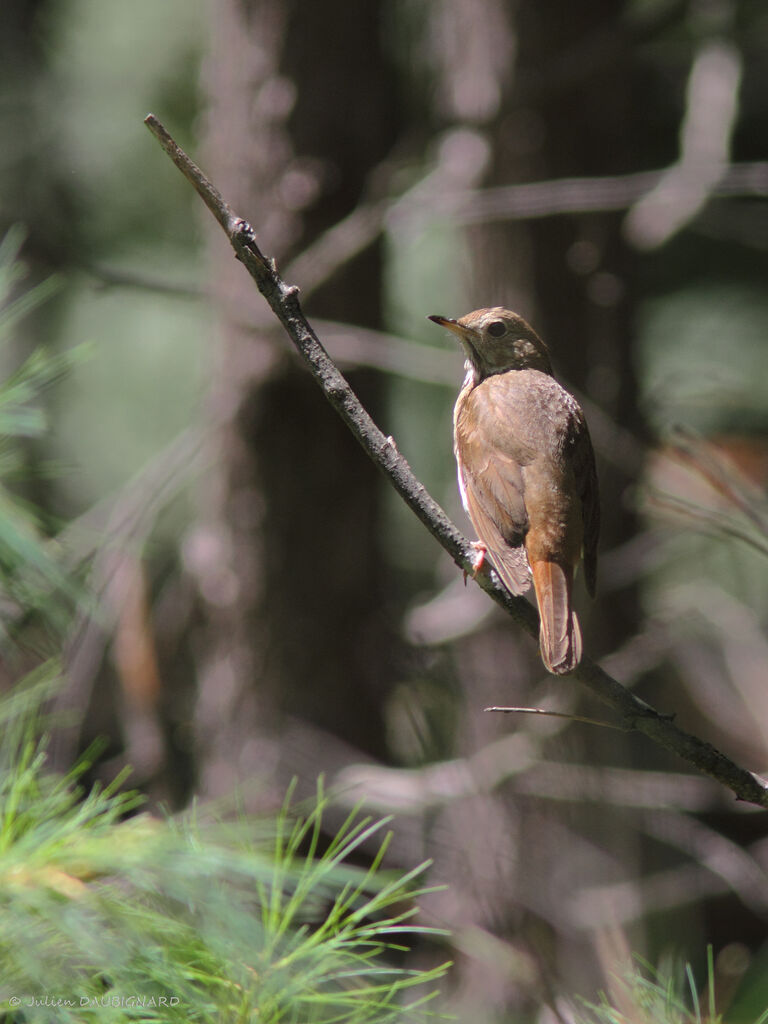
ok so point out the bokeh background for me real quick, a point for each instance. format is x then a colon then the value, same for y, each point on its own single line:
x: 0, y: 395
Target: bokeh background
x: 261, y: 606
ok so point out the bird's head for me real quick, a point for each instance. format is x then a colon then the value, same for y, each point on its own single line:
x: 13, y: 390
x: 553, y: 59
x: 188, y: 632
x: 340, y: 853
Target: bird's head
x: 496, y: 340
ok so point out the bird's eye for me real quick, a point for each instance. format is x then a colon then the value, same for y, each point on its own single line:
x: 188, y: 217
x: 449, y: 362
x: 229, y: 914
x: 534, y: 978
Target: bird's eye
x: 497, y: 328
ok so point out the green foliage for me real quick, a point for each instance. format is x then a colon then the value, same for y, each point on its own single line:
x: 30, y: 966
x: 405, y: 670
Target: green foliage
x: 751, y: 998
x: 109, y: 917
x: 702, y: 358
x: 648, y: 996
x: 29, y: 566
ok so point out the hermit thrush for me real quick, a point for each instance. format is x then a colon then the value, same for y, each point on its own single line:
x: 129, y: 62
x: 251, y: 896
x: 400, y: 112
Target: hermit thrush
x: 526, y: 471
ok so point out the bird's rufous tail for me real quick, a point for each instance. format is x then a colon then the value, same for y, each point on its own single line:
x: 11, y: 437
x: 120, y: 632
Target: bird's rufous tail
x: 560, y: 634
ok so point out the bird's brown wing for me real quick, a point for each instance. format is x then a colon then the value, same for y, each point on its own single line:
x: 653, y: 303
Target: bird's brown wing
x: 589, y: 492
x: 492, y: 488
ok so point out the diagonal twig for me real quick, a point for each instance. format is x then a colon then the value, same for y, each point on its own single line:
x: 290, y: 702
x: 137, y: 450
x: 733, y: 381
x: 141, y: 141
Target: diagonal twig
x: 283, y: 299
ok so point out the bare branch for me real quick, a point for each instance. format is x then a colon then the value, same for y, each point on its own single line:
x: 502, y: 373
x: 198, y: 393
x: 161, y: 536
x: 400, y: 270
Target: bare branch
x: 517, y: 761
x: 548, y: 713
x: 531, y: 200
x: 338, y: 244
x: 283, y: 299
x: 705, y: 142
x: 719, y: 865
x: 722, y: 475
x: 465, y: 205
x: 107, y: 533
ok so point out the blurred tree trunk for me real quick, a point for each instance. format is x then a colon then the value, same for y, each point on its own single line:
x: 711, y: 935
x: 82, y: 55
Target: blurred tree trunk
x: 574, y: 92
x: 551, y: 93
x: 288, y: 557
x: 570, y: 116
x: 36, y: 193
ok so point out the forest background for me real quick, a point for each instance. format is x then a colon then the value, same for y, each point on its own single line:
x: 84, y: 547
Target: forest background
x: 267, y: 608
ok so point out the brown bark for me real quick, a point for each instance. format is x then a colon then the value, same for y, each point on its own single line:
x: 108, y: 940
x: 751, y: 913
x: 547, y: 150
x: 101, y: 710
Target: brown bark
x: 289, y: 551
x: 561, y: 109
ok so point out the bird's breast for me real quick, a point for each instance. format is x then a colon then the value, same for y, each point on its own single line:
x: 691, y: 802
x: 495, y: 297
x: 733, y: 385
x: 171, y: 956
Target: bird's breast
x: 523, y: 413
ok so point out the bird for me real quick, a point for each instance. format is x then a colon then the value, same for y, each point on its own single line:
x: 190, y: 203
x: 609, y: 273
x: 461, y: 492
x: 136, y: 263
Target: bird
x: 526, y: 471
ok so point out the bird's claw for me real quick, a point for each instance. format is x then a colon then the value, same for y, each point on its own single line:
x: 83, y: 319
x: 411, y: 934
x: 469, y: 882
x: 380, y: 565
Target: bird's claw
x: 478, y: 559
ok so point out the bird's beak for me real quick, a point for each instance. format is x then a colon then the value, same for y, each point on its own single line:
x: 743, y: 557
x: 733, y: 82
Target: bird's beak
x: 444, y: 321
x: 466, y: 335
x: 463, y: 333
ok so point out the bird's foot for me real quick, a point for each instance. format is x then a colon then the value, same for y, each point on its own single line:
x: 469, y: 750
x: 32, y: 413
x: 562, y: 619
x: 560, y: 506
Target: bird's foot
x: 478, y: 558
